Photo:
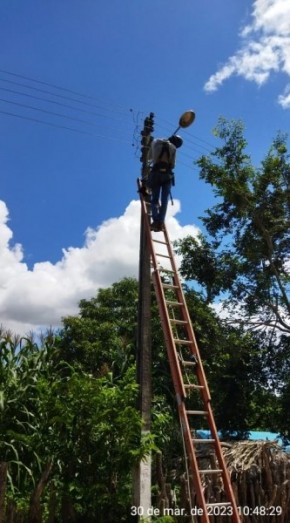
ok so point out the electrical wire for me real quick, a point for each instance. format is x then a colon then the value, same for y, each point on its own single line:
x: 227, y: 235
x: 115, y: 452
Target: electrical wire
x: 89, y: 104
x: 17, y: 75
x: 47, y: 100
x: 58, y: 126
x: 86, y: 105
x: 191, y: 134
x: 7, y: 113
x: 122, y: 125
x: 60, y: 115
x: 57, y: 95
x: 124, y: 130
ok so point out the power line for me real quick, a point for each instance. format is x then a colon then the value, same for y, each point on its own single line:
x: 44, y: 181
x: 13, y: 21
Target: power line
x: 84, y: 95
x: 192, y: 135
x: 87, y: 97
x: 121, y: 124
x: 54, y: 86
x: 43, y: 122
x: 72, y: 107
x: 44, y: 83
x: 55, y: 102
x: 78, y: 105
x: 58, y: 126
x: 60, y: 115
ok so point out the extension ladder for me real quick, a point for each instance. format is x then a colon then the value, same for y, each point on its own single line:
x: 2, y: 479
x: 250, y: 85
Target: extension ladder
x: 189, y: 380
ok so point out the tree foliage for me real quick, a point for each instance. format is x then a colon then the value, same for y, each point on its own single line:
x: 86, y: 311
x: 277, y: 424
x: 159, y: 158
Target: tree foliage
x: 246, y: 251
x: 242, y: 261
x: 69, y: 438
x: 80, y: 430
x: 102, y: 337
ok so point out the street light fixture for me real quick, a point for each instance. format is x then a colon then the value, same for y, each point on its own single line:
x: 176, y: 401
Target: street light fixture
x: 185, y: 120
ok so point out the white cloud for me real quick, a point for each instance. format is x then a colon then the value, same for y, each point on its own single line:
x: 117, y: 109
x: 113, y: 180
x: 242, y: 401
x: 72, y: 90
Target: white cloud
x: 284, y: 99
x: 48, y: 292
x: 270, y: 16
x: 265, y: 47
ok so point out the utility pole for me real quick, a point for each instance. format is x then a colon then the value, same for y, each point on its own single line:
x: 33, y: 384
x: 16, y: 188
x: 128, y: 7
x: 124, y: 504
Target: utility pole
x: 142, y: 506
x: 142, y: 484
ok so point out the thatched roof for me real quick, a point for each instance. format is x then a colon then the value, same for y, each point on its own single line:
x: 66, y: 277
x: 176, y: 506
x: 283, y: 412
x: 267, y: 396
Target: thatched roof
x: 243, y: 454
x: 260, y: 475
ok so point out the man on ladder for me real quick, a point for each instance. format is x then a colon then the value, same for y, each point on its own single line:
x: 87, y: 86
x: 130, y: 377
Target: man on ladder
x: 162, y: 158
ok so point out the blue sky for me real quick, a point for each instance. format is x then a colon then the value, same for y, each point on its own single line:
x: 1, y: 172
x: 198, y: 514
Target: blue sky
x: 77, y: 78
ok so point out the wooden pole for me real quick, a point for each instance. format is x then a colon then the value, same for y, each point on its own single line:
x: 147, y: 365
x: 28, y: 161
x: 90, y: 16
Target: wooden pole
x: 142, y: 486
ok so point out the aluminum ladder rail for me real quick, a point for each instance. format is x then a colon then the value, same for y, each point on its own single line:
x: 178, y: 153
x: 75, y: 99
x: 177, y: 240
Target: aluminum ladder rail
x: 188, y: 376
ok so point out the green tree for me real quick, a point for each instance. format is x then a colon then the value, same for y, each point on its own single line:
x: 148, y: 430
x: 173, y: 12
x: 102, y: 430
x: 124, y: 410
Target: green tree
x: 22, y: 365
x: 68, y: 438
x: 102, y: 340
x: 246, y: 250
x: 102, y: 337
x: 242, y: 260
x: 92, y: 432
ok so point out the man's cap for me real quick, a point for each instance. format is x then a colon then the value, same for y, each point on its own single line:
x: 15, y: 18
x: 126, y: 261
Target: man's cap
x: 175, y: 140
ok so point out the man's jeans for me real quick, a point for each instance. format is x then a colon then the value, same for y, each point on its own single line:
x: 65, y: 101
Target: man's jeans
x: 159, y: 212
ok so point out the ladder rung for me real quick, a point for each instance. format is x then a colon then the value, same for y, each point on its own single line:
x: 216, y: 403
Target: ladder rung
x: 197, y: 412
x: 178, y: 322
x: 159, y: 241
x: 162, y: 255
x: 174, y: 303
x: 168, y: 271
x: 169, y: 286
x: 210, y: 471
x: 188, y: 363
x: 201, y: 440
x: 182, y: 342
x: 193, y: 386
